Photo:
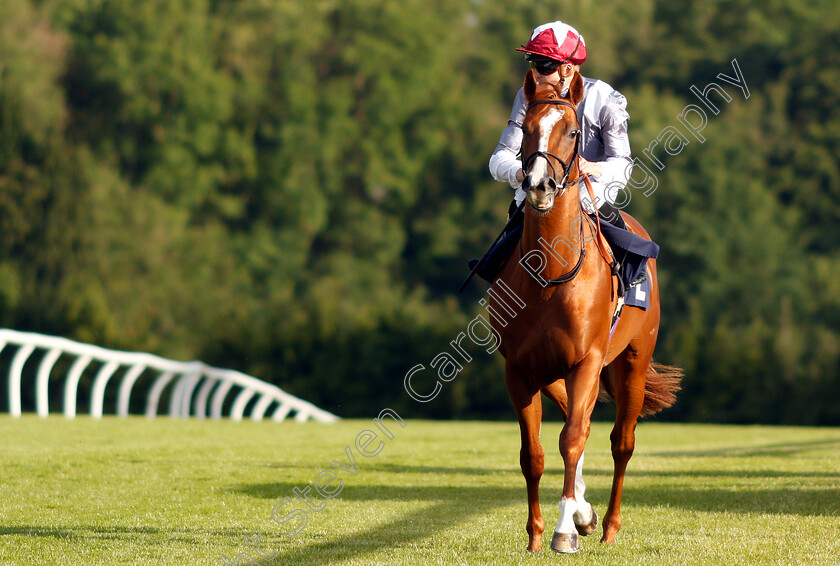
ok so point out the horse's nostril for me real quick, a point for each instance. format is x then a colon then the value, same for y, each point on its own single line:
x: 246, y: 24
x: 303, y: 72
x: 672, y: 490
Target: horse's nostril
x: 546, y: 184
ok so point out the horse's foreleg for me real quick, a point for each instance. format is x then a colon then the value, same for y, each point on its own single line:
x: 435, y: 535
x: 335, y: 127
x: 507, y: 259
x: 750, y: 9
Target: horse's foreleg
x: 629, y: 398
x: 528, y: 406
x: 585, y: 518
x: 582, y: 391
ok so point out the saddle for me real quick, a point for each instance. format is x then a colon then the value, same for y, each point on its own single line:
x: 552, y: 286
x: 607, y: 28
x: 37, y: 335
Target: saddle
x: 629, y: 253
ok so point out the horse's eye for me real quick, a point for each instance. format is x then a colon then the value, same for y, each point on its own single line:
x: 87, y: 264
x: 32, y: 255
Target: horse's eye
x: 573, y: 133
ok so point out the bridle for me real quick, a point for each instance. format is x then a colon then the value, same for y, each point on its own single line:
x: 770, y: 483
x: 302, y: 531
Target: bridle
x: 562, y: 186
x: 528, y: 162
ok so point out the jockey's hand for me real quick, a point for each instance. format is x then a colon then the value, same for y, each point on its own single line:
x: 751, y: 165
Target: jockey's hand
x: 590, y: 167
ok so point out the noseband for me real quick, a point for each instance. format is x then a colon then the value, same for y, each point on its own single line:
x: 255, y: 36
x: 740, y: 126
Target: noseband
x: 567, y: 167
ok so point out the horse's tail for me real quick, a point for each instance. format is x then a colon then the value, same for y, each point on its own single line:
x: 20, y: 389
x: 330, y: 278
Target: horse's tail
x: 661, y: 385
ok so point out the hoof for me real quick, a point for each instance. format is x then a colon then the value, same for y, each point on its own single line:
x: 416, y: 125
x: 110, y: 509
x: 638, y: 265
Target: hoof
x: 534, y: 549
x: 586, y: 530
x: 565, y: 543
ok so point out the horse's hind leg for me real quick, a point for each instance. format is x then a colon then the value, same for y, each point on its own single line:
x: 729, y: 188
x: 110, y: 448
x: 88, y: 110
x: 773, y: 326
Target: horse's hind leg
x: 528, y: 406
x: 629, y: 371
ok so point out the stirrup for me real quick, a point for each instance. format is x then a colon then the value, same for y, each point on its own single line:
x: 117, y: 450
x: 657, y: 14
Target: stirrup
x: 639, y: 280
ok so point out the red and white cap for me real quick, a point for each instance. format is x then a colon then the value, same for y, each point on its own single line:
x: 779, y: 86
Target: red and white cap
x: 557, y: 41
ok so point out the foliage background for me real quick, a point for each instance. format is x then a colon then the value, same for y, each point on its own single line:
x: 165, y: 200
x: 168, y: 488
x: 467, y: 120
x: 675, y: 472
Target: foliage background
x: 293, y: 188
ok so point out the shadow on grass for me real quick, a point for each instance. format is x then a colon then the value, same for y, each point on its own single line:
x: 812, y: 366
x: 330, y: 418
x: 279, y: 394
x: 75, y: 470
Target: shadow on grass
x: 709, y: 473
x: 771, y: 450
x: 807, y: 502
x: 554, y: 472
x: 504, y: 495
x: 408, y: 469
x: 161, y: 536
x: 413, y: 526
x: 445, y: 506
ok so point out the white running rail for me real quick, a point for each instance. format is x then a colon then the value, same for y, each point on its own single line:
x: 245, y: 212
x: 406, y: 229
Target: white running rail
x: 191, y: 383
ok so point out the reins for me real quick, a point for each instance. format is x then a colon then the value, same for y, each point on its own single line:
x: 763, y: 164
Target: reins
x: 571, y: 274
x: 561, y: 187
x: 564, y: 183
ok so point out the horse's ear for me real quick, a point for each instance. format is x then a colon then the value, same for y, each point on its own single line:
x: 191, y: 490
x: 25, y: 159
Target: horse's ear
x: 576, y: 89
x: 530, y: 86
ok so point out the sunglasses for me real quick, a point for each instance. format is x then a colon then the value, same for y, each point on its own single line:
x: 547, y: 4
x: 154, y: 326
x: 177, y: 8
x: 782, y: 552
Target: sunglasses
x: 544, y: 66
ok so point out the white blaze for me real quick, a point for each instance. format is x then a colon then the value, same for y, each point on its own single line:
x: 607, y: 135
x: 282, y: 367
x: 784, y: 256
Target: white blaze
x: 539, y: 169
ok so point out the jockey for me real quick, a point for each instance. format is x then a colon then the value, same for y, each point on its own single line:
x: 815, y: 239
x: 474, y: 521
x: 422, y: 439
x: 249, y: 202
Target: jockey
x: 555, y: 52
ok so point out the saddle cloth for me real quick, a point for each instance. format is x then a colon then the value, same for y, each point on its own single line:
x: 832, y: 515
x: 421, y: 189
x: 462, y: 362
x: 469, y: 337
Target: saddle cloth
x: 630, y: 250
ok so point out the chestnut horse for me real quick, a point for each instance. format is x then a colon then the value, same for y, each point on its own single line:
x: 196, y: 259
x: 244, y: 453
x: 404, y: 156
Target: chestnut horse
x: 560, y: 343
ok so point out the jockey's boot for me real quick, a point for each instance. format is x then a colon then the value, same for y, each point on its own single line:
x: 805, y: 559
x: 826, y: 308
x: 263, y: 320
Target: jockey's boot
x: 495, y: 258
x: 611, y: 214
x: 517, y: 216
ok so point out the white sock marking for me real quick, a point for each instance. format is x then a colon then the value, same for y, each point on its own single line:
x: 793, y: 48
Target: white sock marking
x: 583, y: 515
x: 566, y: 524
x: 577, y: 510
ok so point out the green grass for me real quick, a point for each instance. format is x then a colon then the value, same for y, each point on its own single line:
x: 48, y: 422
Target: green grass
x: 140, y: 491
